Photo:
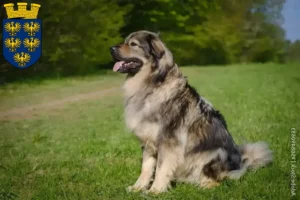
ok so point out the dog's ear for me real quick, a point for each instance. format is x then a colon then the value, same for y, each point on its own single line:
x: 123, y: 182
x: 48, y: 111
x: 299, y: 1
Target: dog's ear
x: 163, y: 58
x: 157, y: 50
x: 156, y: 47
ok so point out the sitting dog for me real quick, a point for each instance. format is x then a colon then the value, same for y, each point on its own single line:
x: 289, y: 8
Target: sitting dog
x: 183, y: 137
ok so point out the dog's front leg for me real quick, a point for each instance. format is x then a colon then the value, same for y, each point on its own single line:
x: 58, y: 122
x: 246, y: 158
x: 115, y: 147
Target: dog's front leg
x: 148, y: 165
x: 168, y: 161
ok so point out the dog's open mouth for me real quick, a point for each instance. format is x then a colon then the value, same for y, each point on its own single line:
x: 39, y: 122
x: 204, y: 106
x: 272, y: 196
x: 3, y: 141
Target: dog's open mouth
x: 127, y: 66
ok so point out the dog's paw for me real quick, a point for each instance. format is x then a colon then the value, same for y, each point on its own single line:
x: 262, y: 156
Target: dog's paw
x: 131, y: 189
x: 134, y: 188
x: 209, y: 184
x: 155, y: 191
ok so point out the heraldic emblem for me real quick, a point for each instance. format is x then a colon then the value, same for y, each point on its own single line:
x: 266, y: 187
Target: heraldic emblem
x: 22, y: 35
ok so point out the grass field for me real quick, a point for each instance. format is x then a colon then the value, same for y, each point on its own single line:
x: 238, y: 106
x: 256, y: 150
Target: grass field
x: 81, y: 149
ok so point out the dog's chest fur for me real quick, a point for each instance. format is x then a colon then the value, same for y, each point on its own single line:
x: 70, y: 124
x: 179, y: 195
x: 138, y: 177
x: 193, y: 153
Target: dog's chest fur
x: 143, y: 106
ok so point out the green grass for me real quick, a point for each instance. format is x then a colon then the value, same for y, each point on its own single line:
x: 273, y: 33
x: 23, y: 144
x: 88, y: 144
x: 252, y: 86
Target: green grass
x: 83, y: 150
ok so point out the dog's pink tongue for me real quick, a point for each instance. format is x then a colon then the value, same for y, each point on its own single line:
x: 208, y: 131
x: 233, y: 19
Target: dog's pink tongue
x: 117, y: 65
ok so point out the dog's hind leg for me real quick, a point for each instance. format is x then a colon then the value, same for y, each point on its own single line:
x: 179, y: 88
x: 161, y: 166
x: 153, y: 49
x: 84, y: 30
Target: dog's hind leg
x: 215, y: 170
x: 208, y: 183
x: 148, y: 166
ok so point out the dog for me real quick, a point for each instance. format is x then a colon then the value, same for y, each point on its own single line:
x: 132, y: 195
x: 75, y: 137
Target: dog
x: 183, y: 137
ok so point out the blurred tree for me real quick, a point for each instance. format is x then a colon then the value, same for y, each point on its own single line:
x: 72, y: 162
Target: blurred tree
x: 294, y: 51
x: 78, y: 33
x: 263, y: 36
x: 213, y: 32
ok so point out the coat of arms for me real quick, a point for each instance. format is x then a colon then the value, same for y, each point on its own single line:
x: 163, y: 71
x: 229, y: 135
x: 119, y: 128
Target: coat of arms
x: 22, y: 35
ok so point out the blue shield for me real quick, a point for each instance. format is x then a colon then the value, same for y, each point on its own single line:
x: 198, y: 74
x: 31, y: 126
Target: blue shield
x: 22, y: 41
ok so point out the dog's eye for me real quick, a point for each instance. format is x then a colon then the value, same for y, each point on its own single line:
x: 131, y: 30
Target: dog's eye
x: 133, y: 44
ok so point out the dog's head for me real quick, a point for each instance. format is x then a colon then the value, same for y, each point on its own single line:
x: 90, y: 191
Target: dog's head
x: 142, y: 49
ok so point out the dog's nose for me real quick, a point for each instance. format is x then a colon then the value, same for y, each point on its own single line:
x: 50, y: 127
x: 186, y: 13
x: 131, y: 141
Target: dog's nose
x: 113, y: 49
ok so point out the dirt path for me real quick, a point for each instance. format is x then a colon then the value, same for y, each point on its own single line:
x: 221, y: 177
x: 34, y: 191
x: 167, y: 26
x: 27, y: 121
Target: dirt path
x: 34, y: 110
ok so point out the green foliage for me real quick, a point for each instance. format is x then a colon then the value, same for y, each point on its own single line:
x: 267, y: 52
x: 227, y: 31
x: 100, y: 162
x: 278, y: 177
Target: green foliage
x: 78, y: 33
x: 294, y: 51
x: 213, y: 32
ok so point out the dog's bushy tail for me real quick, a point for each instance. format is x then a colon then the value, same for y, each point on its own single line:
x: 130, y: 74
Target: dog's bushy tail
x: 253, y: 155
